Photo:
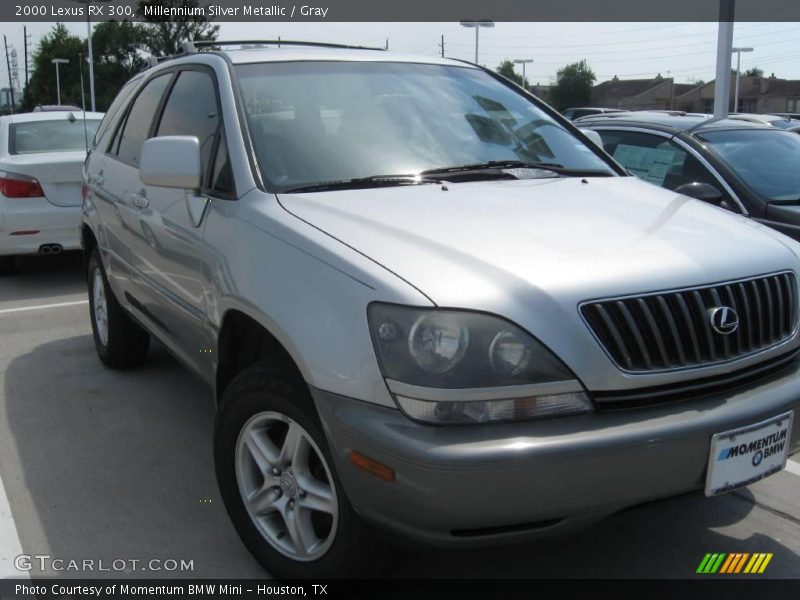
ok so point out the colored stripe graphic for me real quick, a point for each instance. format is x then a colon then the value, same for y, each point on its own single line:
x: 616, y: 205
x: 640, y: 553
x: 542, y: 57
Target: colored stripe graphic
x: 713, y: 563
x: 767, y: 558
x: 703, y: 564
x: 740, y: 564
x: 734, y: 563
x: 727, y: 564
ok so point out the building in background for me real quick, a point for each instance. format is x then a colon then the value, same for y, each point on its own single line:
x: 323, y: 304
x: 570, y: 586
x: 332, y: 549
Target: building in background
x: 540, y: 91
x: 657, y: 93
x: 756, y: 95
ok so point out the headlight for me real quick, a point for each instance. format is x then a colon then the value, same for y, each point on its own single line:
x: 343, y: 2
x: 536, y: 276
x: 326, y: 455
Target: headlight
x: 450, y: 366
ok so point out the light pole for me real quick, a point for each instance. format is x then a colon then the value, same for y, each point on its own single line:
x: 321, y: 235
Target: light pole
x: 88, y: 4
x: 56, y: 62
x: 477, y: 25
x: 738, y: 66
x: 523, y: 62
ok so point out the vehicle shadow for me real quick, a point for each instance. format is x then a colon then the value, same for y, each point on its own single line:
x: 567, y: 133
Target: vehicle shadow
x: 114, y: 464
x: 660, y: 540
x: 43, y: 277
x: 118, y: 465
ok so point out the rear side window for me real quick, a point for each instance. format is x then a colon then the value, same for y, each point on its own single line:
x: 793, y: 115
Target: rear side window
x: 101, y: 138
x: 64, y: 135
x: 192, y: 110
x: 137, y: 126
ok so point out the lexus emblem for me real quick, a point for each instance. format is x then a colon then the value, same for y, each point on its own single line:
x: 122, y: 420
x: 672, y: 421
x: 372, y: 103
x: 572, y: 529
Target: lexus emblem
x: 723, y: 319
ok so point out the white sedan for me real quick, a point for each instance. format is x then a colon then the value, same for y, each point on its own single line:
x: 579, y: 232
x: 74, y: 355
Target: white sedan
x: 41, y: 159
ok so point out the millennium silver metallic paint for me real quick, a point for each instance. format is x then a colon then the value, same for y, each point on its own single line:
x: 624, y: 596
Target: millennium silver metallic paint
x: 533, y: 250
x: 307, y: 266
x: 171, y: 161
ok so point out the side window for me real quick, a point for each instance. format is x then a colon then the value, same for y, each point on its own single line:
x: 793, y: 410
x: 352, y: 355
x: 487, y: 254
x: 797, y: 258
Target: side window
x: 137, y: 126
x: 192, y: 110
x: 658, y: 160
x: 110, y: 118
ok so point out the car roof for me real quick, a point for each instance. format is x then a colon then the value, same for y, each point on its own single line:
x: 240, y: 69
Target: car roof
x: 676, y: 122
x: 50, y: 115
x: 307, y: 53
x: 757, y: 117
x: 596, y: 108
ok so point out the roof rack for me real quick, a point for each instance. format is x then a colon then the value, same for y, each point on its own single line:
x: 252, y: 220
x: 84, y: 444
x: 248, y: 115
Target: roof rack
x: 192, y: 47
x: 195, y: 46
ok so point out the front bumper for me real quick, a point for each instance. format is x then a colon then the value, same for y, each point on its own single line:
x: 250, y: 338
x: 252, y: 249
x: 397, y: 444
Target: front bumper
x: 494, y: 483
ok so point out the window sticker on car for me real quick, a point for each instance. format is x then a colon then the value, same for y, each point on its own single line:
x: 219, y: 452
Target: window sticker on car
x: 650, y: 164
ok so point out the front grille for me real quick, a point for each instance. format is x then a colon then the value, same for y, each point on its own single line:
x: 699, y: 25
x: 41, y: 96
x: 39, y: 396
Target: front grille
x: 697, y: 388
x: 673, y: 329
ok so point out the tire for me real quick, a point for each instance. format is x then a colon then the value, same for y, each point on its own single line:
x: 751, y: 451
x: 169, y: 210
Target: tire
x: 6, y: 265
x: 262, y: 400
x: 121, y: 343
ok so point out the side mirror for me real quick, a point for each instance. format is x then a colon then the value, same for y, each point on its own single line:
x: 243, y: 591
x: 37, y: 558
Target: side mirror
x: 171, y: 161
x: 700, y: 191
x: 594, y: 136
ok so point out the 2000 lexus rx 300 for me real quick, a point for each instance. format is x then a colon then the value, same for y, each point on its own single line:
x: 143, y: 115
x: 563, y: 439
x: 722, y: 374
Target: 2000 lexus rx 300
x: 427, y: 303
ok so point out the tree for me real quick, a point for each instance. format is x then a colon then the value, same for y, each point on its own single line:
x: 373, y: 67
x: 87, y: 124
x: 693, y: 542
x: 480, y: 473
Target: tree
x: 506, y: 69
x: 41, y: 89
x: 573, y: 85
x: 164, y: 35
x: 117, y: 48
x: 754, y: 72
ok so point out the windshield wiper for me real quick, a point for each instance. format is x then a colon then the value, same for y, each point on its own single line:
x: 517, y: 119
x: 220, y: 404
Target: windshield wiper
x: 363, y: 183
x: 501, y: 165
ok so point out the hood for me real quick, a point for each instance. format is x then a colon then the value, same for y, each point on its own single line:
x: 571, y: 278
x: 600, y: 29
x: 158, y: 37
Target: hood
x: 533, y: 250
x: 585, y: 239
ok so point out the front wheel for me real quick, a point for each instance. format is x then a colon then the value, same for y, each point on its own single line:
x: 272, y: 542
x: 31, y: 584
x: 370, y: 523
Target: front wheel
x: 280, y: 486
x: 120, y: 341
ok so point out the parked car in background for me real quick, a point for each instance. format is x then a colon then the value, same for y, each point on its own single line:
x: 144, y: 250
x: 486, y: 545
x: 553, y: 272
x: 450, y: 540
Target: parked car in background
x: 56, y: 108
x: 427, y: 304
x: 788, y: 115
x: 577, y: 113
x: 746, y: 168
x: 41, y: 159
x: 781, y: 122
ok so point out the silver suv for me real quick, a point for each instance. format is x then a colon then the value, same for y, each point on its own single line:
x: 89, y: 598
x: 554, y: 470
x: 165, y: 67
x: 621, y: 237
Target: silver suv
x: 428, y: 304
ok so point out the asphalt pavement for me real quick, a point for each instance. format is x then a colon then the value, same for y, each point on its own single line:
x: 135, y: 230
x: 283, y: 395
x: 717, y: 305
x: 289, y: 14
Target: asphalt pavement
x: 104, y: 466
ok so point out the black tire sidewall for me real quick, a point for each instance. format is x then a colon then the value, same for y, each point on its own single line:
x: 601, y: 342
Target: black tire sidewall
x: 127, y: 342
x: 93, y: 264
x: 256, y: 391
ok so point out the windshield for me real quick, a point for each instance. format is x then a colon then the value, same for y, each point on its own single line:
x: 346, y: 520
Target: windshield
x: 316, y: 122
x: 63, y: 135
x: 765, y: 159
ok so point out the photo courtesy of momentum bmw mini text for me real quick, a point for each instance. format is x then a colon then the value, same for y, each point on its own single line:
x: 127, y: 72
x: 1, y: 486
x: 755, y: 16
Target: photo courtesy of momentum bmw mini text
x: 394, y: 299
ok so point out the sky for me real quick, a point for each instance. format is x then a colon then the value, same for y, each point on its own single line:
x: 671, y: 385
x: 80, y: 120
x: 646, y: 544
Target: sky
x: 685, y: 51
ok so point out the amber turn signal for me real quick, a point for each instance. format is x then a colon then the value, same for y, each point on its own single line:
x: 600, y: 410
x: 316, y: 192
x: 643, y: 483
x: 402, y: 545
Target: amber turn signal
x: 371, y: 466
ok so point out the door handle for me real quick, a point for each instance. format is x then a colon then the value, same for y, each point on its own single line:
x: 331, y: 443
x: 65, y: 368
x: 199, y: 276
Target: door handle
x: 98, y: 179
x: 140, y: 200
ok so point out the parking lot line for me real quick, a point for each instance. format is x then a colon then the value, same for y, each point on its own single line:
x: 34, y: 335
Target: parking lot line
x: 42, y: 306
x: 10, y: 546
x: 793, y: 467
